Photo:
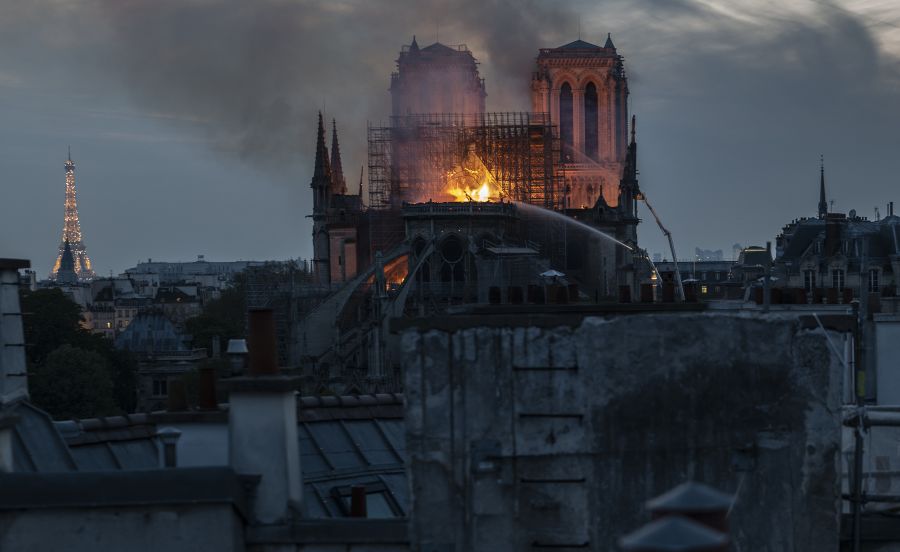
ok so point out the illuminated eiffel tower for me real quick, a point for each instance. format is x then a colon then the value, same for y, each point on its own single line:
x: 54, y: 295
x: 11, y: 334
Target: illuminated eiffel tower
x: 71, y: 234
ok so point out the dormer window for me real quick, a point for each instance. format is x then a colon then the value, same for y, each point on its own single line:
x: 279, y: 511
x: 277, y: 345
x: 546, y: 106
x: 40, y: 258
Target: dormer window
x: 873, y: 281
x: 809, y: 280
x: 837, y: 279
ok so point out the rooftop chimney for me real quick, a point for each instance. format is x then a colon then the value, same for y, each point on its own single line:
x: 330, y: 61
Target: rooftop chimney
x: 176, y: 398
x: 169, y: 437
x: 262, y: 426
x: 206, y: 399
x: 358, y: 501
x: 692, y: 517
x: 696, y: 501
x: 261, y: 342
x: 237, y: 355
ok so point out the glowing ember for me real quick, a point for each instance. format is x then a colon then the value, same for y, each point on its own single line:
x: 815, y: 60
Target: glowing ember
x: 471, y: 180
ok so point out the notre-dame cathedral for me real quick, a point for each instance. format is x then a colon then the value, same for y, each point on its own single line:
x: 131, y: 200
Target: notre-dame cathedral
x: 467, y: 207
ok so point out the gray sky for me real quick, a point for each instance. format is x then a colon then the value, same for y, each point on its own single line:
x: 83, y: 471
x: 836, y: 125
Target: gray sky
x: 192, y: 122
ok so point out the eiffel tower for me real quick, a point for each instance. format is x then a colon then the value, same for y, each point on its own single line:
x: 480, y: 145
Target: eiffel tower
x: 72, y: 231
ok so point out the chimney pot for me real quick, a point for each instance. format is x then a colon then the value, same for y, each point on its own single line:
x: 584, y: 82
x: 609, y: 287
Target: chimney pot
x: 176, y: 401
x: 169, y: 437
x: 207, y: 389
x: 358, y: 501
x: 261, y: 342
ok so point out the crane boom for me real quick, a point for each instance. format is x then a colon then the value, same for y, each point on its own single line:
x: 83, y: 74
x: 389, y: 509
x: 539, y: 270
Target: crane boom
x: 668, y: 235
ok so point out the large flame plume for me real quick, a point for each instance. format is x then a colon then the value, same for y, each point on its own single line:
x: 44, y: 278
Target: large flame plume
x: 471, y: 180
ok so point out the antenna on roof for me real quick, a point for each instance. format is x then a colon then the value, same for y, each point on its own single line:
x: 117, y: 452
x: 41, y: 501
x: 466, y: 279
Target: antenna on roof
x: 437, y: 31
x: 579, y: 27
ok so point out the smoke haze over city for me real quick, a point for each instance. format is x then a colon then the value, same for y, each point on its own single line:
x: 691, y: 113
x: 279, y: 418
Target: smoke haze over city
x: 192, y: 124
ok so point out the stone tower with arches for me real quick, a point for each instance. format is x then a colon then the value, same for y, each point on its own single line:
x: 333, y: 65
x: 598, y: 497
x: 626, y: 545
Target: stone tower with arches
x: 584, y: 89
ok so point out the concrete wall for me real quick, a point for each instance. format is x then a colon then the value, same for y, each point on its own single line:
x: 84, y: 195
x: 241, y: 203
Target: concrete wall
x: 136, y: 529
x: 554, y: 435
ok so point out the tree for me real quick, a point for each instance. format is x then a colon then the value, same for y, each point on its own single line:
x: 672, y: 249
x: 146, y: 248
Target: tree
x: 52, y: 320
x: 73, y: 383
x: 123, y: 368
x: 223, y: 317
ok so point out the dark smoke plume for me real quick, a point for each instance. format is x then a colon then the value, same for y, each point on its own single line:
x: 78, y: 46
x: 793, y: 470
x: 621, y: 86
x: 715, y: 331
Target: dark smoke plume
x: 251, y: 75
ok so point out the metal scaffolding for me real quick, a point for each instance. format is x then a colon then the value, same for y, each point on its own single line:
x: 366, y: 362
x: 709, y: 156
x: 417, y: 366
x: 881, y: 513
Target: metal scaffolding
x: 409, y: 161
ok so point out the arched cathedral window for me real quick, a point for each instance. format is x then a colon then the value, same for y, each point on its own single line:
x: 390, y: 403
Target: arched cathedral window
x: 591, y: 132
x: 566, y: 132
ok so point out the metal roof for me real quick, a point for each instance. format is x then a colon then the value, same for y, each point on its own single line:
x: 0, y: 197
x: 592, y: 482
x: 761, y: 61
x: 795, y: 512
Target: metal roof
x: 337, y: 454
x: 579, y: 45
x: 673, y: 534
x: 37, y: 444
x: 150, y: 332
x: 344, y: 441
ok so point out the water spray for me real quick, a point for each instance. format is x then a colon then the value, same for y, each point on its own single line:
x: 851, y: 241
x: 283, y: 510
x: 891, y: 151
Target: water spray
x: 569, y: 220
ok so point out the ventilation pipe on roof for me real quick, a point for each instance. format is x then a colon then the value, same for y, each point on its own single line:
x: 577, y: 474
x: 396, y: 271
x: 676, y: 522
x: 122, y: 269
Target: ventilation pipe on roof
x: 262, y: 427
x: 169, y: 437
x: 237, y: 355
x: 206, y: 399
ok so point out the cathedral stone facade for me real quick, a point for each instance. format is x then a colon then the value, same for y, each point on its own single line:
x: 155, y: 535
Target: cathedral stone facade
x: 436, y: 79
x: 583, y: 88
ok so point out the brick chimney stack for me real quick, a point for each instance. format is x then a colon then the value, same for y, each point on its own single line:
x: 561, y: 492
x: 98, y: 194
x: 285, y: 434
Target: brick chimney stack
x: 262, y: 426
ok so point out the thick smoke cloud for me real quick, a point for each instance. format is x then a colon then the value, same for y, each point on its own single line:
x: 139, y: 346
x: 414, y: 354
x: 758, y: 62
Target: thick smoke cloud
x: 252, y: 74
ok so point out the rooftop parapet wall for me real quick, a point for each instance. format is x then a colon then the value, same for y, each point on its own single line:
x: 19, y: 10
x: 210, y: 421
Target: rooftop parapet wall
x: 555, y: 436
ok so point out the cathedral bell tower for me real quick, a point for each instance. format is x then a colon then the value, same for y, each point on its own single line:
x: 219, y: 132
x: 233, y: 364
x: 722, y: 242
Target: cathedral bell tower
x: 584, y: 89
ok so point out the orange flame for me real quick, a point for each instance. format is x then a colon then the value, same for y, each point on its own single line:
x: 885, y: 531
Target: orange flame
x: 471, y: 180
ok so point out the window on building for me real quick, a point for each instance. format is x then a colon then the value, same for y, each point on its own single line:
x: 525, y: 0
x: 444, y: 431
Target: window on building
x: 873, y: 281
x: 566, y: 130
x: 591, y: 132
x: 160, y: 387
x: 703, y: 290
x: 809, y: 280
x: 837, y: 279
